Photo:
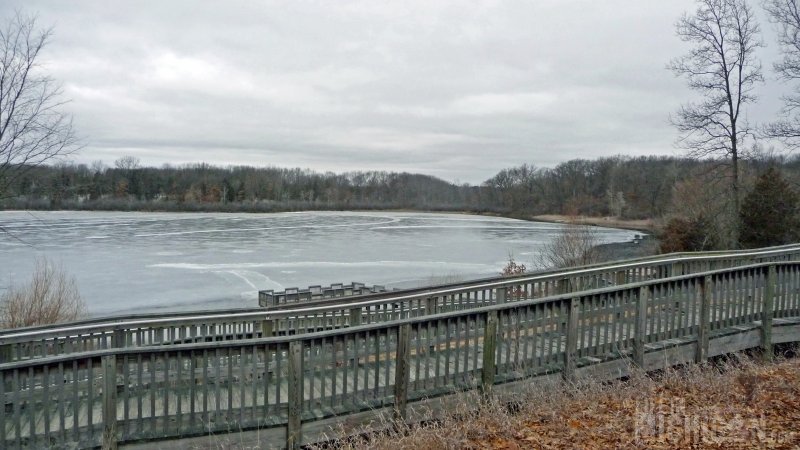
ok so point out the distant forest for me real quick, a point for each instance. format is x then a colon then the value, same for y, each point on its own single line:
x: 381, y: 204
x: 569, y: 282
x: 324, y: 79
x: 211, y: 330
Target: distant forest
x: 626, y: 187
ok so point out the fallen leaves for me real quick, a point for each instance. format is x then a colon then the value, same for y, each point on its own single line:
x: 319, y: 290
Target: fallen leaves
x: 739, y: 404
x: 760, y: 408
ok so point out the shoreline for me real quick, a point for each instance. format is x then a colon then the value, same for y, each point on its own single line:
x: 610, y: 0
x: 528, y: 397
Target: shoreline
x: 644, y: 225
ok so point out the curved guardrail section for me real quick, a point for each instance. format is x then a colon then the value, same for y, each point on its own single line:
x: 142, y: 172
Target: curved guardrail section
x: 272, y: 299
x: 689, y: 262
x: 286, y: 387
x: 209, y: 326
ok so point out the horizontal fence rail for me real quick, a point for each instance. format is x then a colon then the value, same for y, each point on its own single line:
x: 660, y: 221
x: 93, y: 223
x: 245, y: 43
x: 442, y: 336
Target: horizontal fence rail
x: 287, y: 382
x: 181, y: 328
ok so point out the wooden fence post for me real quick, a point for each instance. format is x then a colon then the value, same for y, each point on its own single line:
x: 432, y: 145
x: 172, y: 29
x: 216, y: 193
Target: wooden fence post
x: 500, y: 296
x: 430, y: 305
x: 489, y: 352
x: 266, y: 327
x: 109, y: 399
x: 706, y: 284
x: 118, y: 339
x: 355, y: 316
x: 640, y: 328
x: 402, y: 370
x: 6, y: 353
x: 572, y: 339
x: 295, y: 395
x: 768, y: 313
x: 563, y: 286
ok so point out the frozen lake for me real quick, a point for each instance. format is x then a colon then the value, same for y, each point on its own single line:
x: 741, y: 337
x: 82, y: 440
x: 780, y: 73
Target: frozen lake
x: 126, y: 262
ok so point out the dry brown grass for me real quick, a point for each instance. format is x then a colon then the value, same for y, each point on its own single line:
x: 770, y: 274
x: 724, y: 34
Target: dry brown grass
x: 51, y: 296
x: 736, y: 403
x: 646, y: 225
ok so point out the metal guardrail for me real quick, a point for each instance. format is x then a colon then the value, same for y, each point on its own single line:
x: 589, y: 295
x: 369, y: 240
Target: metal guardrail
x: 287, y: 383
x: 208, y: 326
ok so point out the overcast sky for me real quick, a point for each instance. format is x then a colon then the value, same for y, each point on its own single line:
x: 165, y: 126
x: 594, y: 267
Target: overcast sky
x: 458, y: 90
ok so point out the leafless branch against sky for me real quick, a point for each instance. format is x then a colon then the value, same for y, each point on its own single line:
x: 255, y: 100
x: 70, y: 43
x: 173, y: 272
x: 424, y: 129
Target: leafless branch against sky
x: 34, y: 129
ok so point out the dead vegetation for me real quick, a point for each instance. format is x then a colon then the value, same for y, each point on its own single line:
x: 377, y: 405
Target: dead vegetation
x: 574, y: 245
x: 735, y: 403
x: 51, y: 296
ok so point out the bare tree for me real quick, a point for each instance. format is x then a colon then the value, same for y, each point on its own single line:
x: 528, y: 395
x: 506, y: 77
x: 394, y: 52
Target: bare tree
x: 33, y: 128
x: 575, y: 245
x: 785, y: 14
x: 127, y: 162
x: 50, y: 297
x: 722, y: 67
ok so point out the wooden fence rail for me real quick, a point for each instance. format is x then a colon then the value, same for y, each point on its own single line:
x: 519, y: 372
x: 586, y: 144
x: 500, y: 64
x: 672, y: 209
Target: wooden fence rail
x: 290, y: 386
x: 181, y: 328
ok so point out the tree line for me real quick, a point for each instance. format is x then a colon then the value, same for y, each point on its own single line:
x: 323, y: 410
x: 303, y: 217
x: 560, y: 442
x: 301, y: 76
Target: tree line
x: 197, y: 187
x: 621, y: 186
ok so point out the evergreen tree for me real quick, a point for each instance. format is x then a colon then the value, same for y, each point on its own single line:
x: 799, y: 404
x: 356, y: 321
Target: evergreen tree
x: 769, y: 214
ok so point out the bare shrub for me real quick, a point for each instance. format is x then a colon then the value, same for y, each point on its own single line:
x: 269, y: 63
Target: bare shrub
x: 688, y: 235
x: 513, y: 268
x: 704, y: 202
x: 575, y: 245
x: 51, y: 296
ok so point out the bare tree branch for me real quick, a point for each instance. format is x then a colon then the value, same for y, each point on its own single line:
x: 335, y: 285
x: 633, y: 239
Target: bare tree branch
x: 785, y: 15
x: 33, y: 128
x: 722, y: 67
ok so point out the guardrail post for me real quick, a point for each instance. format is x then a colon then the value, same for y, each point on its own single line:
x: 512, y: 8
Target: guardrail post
x: 489, y: 352
x: 768, y: 313
x: 118, y: 339
x: 109, y: 367
x: 703, y: 328
x: 265, y: 327
x: 355, y: 316
x: 430, y: 305
x: 402, y: 370
x: 563, y: 286
x: 6, y: 353
x: 572, y: 339
x: 295, y: 395
x: 500, y: 295
x: 640, y: 330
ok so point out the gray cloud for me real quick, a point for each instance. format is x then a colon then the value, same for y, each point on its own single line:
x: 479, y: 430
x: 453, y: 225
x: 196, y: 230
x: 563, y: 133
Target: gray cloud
x: 459, y: 90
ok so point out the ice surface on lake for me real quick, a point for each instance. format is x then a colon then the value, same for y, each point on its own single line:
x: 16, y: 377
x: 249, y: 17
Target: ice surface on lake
x: 137, y: 262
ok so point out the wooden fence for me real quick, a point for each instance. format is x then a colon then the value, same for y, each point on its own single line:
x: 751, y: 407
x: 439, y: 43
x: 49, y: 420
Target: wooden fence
x: 290, y: 386
x: 329, y: 314
x: 272, y: 299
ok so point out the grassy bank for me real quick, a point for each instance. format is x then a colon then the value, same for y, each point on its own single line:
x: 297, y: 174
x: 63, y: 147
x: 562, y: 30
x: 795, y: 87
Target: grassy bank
x: 645, y: 225
x: 734, y: 403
